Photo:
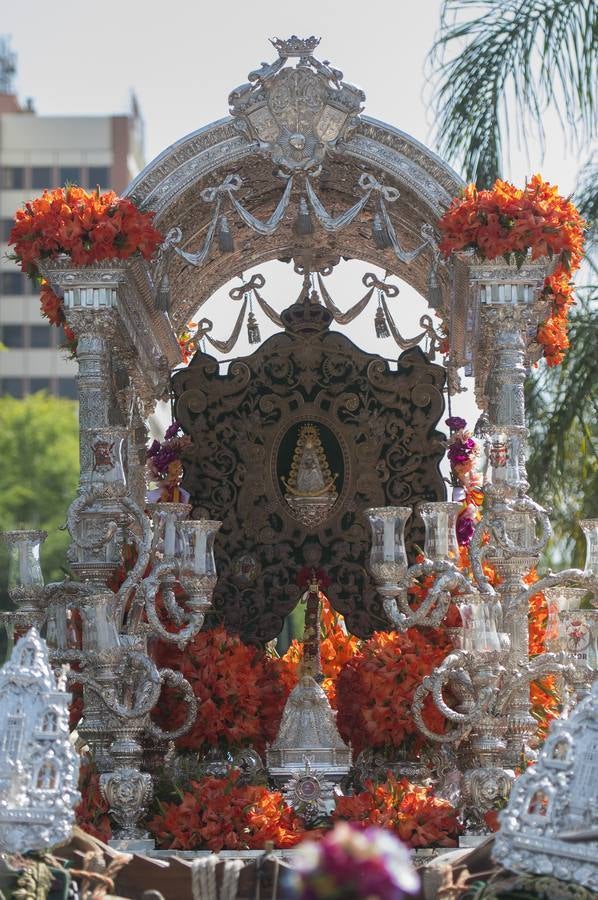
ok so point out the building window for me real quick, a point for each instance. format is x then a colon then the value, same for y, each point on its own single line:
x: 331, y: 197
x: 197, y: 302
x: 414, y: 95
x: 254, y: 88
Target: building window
x: 40, y: 336
x: 12, y: 735
x: 39, y: 384
x: 13, y: 283
x: 41, y: 177
x: 98, y: 175
x: 5, y: 228
x: 13, y: 336
x: 12, y: 387
x: 12, y: 177
x: 50, y: 721
x: 47, y: 777
x: 67, y: 387
x: 69, y: 175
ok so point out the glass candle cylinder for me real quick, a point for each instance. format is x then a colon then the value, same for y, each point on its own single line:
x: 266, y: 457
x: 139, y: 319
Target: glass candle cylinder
x: 198, y: 565
x: 590, y: 530
x: 440, y: 520
x: 99, y: 628
x: 25, y: 579
x: 480, y: 633
x: 165, y: 517
x: 560, y: 599
x: 388, y: 557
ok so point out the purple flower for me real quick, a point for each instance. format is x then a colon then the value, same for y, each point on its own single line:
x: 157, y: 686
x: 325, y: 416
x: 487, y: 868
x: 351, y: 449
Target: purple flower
x: 350, y: 863
x: 172, y: 431
x: 455, y: 423
x: 460, y: 451
x: 465, y: 528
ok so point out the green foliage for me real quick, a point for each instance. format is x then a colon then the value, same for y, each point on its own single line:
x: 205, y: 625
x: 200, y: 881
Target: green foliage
x: 39, y: 448
x: 499, y: 64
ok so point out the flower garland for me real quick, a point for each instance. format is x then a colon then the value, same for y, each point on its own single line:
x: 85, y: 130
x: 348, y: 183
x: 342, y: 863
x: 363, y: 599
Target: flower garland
x: 510, y: 222
x: 221, y: 814
x: 544, y: 697
x: 411, y: 812
x: 375, y: 688
x: 188, y: 341
x: 239, y: 691
x: 88, y: 227
x: 463, y: 452
x: 164, y: 465
x: 224, y: 814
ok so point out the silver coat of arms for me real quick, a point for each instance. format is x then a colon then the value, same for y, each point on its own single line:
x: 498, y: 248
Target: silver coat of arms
x: 296, y: 114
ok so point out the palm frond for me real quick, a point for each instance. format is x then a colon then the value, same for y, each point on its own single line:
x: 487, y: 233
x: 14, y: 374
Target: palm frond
x: 498, y: 64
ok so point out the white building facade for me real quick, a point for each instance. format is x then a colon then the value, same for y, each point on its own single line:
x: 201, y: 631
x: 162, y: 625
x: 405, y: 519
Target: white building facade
x: 38, y: 152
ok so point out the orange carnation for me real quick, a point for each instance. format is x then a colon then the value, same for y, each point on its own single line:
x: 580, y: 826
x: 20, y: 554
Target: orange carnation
x: 412, y: 812
x: 219, y: 814
x: 375, y: 688
x: 240, y: 695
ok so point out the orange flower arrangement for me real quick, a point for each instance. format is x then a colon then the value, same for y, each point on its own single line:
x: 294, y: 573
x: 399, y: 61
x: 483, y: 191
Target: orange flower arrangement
x: 337, y: 647
x: 239, y: 691
x: 412, y: 812
x: 89, y: 227
x: 375, y: 688
x: 507, y: 221
x: 219, y: 814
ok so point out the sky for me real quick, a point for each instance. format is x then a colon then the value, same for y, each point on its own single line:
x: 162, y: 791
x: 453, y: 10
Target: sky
x: 182, y: 59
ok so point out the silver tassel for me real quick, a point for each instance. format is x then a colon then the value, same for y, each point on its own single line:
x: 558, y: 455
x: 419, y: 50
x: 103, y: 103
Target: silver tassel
x: 253, y: 329
x: 225, y: 238
x: 303, y: 222
x: 163, y: 294
x: 379, y: 232
x: 434, y: 291
x: 381, y: 324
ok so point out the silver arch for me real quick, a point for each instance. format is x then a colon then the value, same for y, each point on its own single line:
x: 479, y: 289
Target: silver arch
x: 171, y: 186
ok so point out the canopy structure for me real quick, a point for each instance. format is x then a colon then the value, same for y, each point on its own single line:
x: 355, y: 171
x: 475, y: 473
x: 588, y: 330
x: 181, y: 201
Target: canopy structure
x: 302, y: 123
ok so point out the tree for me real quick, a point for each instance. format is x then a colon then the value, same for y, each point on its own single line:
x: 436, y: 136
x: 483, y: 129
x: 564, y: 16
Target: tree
x: 39, y: 449
x: 499, y: 63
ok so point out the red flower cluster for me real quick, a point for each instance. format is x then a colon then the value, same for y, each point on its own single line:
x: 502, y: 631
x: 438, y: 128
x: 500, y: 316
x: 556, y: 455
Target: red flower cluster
x: 89, y: 227
x: 507, y: 221
x: 219, y: 814
x: 239, y: 691
x: 375, y: 688
x: 412, y: 812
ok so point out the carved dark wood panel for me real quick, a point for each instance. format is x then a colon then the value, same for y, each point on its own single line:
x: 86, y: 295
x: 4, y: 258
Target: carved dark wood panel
x: 378, y: 428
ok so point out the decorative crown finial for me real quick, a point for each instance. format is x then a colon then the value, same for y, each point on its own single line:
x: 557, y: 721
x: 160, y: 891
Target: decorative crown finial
x: 295, y: 46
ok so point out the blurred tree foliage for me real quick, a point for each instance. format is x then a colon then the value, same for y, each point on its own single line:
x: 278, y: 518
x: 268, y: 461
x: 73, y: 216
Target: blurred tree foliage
x: 39, y: 450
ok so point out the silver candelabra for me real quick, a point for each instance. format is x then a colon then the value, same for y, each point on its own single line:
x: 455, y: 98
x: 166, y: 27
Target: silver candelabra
x: 483, y: 686
x: 103, y: 634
